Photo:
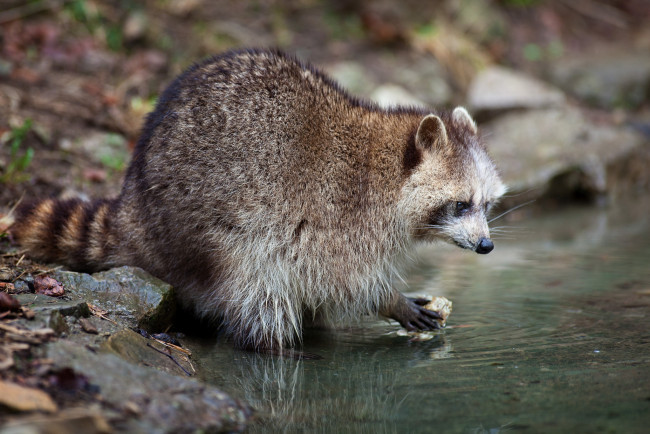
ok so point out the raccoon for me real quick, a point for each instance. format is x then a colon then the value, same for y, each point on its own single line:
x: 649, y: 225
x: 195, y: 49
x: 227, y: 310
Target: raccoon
x: 269, y: 197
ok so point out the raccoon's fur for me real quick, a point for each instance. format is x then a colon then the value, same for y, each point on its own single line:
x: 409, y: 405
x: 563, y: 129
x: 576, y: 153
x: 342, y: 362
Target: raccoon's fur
x: 267, y: 196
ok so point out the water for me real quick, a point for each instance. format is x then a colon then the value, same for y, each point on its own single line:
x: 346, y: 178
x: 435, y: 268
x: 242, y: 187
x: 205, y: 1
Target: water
x: 549, y: 333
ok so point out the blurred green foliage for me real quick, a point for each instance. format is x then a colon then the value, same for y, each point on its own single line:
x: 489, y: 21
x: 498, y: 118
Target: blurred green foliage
x: 536, y: 52
x: 96, y: 23
x: 18, y: 160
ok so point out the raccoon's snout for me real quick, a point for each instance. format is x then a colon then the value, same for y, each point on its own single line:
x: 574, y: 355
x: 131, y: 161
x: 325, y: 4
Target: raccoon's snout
x: 484, y: 246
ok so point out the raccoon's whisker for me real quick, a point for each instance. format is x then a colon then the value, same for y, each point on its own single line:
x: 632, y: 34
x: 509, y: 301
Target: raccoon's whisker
x: 511, y: 210
x: 521, y: 192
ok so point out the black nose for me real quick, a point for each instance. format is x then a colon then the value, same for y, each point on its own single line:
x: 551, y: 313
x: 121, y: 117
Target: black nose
x: 484, y: 246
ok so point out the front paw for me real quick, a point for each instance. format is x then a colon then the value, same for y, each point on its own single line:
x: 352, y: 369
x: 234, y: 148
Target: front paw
x: 413, y: 316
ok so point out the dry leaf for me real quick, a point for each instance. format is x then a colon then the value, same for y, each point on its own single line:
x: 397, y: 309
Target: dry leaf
x: 21, y: 398
x: 48, y: 286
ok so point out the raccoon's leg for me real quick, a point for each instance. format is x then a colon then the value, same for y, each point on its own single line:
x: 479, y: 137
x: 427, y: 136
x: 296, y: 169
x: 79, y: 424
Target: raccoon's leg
x: 410, y: 312
x: 267, y: 326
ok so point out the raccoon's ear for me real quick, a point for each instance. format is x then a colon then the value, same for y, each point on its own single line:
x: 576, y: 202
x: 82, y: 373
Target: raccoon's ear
x: 461, y: 118
x: 431, y: 134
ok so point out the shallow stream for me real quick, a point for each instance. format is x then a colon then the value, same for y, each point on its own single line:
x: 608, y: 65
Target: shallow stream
x: 549, y: 333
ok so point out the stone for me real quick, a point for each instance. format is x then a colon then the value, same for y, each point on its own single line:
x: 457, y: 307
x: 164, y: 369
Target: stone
x: 43, y: 304
x: 390, y: 95
x: 352, y: 77
x: 606, y: 78
x: 137, y: 349
x: 497, y: 89
x: 130, y: 293
x: 536, y: 149
x: 162, y: 402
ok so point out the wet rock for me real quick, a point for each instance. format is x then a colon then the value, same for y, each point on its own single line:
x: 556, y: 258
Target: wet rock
x: 152, y: 400
x: 560, y: 152
x: 498, y: 89
x: 136, y: 349
x: 130, y: 293
x: 44, y: 305
x: 606, y: 78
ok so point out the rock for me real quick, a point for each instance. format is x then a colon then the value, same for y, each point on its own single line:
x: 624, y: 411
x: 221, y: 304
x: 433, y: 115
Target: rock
x: 498, y: 89
x: 135, y: 26
x: 6, y: 274
x: 128, y: 292
x: 421, y: 76
x: 353, y: 77
x: 139, y: 350
x: 87, y: 326
x: 559, y: 152
x: 606, y: 78
x: 390, y: 95
x: 411, y: 79
x: 156, y: 401
x: 42, y: 304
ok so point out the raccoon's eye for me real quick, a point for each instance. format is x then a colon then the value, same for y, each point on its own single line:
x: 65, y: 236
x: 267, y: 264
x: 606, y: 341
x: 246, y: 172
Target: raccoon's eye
x: 462, y: 208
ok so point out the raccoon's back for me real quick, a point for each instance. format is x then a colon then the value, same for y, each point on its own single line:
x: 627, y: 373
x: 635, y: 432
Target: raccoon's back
x: 248, y: 135
x: 73, y: 232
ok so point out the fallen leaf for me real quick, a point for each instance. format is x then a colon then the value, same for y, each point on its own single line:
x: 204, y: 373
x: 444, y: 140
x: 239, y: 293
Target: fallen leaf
x: 21, y: 398
x: 8, y: 302
x: 48, y: 286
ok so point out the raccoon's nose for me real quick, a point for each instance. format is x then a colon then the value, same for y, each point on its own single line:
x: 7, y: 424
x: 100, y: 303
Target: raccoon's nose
x: 484, y: 246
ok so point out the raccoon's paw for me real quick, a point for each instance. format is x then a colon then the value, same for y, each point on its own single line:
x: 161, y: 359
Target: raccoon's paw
x: 413, y: 316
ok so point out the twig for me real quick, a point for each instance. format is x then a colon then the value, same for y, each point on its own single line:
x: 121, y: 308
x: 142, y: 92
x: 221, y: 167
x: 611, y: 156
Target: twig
x: 100, y: 313
x: 173, y: 347
x: 172, y: 359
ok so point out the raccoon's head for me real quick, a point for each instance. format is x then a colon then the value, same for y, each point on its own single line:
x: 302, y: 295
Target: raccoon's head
x: 449, y: 193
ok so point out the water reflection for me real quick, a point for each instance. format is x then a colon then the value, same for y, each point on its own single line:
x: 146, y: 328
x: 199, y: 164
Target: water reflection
x: 548, y: 333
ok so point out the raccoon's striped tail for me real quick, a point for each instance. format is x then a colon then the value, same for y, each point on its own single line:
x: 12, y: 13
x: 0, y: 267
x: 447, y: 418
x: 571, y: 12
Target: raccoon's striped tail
x: 73, y: 232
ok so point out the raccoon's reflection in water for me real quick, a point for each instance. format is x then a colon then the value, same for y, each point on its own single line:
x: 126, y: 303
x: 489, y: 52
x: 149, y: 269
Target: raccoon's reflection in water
x: 359, y: 384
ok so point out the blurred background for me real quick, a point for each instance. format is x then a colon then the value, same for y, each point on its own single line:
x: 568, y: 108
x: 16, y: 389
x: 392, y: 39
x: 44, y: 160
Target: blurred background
x: 560, y: 87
